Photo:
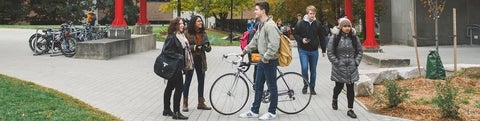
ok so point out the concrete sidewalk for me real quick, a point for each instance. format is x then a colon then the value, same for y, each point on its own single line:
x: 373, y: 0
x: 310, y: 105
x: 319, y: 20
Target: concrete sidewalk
x: 126, y: 86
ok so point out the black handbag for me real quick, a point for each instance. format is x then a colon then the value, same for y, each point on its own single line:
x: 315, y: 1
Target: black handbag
x: 165, y: 66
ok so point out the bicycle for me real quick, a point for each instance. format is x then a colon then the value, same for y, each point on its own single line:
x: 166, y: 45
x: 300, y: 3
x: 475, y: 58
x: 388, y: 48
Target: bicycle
x: 52, y: 40
x: 227, y: 94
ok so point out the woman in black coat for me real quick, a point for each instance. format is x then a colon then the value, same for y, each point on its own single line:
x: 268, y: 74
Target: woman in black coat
x: 174, y: 47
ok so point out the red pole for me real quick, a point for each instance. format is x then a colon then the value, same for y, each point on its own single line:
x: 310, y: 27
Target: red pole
x: 142, y: 20
x: 348, y: 9
x: 370, y: 41
x: 119, y: 21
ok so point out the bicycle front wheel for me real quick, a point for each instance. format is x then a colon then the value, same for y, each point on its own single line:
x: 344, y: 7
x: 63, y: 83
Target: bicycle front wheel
x: 68, y: 46
x: 229, y: 94
x: 291, y: 100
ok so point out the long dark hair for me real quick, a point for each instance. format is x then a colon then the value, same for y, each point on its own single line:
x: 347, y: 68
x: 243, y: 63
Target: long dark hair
x: 191, y: 25
x: 172, y: 27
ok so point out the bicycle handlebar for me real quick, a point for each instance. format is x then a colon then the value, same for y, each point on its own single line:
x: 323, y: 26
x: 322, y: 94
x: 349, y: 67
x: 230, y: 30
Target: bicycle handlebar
x: 235, y: 62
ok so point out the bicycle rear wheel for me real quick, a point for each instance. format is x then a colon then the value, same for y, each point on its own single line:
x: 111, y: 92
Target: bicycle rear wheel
x: 40, y: 45
x: 290, y: 97
x: 229, y: 94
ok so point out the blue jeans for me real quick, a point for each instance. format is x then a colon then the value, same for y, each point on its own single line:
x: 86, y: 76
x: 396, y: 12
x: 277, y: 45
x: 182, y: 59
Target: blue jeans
x: 266, y: 72
x: 197, y: 66
x: 309, y: 58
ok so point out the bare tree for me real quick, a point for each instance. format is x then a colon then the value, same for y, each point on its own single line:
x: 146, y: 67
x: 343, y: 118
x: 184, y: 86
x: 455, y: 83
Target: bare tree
x: 435, y: 9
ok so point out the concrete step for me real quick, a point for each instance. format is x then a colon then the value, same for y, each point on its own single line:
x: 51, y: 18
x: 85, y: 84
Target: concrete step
x: 104, y: 49
x: 383, y: 60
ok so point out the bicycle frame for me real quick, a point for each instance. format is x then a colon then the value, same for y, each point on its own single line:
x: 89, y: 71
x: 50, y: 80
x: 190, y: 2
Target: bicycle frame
x: 240, y: 72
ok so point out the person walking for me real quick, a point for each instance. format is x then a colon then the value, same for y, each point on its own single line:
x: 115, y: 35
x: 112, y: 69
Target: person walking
x: 266, y: 41
x: 198, y: 38
x: 175, y: 46
x: 345, y: 53
x: 294, y: 23
x: 309, y: 34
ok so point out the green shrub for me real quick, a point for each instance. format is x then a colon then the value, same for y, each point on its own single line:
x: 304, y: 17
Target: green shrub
x: 445, y: 99
x: 468, y: 90
x: 422, y: 101
x: 393, y: 94
x: 465, y: 101
x: 477, y: 104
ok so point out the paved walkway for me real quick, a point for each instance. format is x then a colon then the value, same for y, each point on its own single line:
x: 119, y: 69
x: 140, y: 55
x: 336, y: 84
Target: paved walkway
x: 126, y: 86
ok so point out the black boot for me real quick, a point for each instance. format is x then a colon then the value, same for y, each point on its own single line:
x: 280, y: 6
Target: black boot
x: 304, y: 89
x: 167, y: 112
x: 179, y: 116
x: 335, y: 104
x: 351, y: 114
x: 312, y: 91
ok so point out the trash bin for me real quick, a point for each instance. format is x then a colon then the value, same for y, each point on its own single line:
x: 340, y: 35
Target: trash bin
x: 435, y: 68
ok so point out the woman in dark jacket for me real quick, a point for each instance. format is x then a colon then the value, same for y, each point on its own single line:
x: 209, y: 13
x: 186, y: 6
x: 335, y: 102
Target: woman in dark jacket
x: 174, y: 47
x: 345, y: 53
x: 198, y: 39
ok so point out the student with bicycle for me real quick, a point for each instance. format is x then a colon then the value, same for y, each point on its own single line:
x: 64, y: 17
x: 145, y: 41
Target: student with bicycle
x: 309, y: 35
x: 175, y: 46
x: 266, y: 41
x: 198, y: 38
x: 345, y: 53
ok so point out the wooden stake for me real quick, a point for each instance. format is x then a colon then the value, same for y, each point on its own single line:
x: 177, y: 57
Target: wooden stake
x: 414, y: 37
x: 454, y: 39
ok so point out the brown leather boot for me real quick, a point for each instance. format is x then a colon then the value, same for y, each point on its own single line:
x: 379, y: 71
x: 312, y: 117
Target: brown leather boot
x: 202, y: 105
x: 185, y: 104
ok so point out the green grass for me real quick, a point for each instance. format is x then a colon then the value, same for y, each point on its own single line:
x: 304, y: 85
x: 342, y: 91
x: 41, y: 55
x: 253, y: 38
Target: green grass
x: 29, y: 26
x: 22, y: 100
x: 214, y: 36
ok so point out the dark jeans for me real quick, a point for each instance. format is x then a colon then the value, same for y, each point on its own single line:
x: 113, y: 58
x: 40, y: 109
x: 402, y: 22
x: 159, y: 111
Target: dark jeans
x: 197, y: 63
x: 176, y: 82
x: 266, y: 72
x: 309, y: 59
x: 350, y: 92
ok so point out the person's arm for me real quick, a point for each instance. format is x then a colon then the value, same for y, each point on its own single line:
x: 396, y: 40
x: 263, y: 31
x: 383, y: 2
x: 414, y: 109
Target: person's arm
x: 169, y: 49
x: 331, y: 51
x: 273, y: 35
x: 359, y: 52
x: 321, y: 36
x: 206, y: 43
x: 252, y: 45
x: 299, y: 32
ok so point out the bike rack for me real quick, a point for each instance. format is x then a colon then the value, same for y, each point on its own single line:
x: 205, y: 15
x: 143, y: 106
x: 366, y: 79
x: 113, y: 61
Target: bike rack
x: 470, y: 29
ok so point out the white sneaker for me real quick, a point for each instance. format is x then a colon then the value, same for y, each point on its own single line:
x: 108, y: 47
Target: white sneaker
x: 267, y: 116
x: 248, y: 114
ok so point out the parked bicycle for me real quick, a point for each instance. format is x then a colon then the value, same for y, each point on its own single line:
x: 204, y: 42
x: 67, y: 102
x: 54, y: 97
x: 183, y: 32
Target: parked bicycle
x: 50, y: 41
x: 230, y: 92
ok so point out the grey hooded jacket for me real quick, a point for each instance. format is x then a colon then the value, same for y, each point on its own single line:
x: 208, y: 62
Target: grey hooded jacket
x: 345, y: 59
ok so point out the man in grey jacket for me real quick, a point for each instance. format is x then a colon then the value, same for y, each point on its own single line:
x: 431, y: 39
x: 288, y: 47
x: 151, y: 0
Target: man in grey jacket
x: 266, y: 41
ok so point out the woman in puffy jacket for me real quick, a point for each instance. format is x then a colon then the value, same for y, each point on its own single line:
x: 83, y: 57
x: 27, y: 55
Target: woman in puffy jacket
x: 345, y: 53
